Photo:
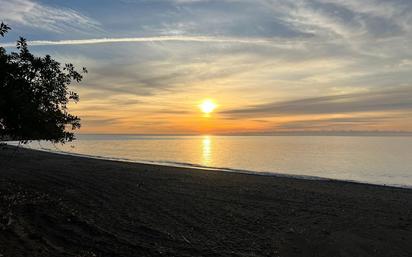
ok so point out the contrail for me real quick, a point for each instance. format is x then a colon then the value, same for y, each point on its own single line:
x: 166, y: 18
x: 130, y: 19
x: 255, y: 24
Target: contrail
x: 153, y: 39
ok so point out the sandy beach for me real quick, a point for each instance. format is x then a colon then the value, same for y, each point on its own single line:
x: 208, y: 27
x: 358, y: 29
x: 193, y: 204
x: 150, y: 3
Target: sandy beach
x: 57, y: 205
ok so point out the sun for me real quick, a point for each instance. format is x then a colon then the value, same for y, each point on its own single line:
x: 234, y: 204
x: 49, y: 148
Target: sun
x: 207, y: 106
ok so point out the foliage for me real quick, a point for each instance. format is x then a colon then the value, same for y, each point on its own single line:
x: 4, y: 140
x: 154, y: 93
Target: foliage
x: 34, y: 95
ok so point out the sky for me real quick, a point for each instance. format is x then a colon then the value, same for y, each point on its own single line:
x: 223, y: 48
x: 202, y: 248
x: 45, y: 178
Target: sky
x: 269, y: 65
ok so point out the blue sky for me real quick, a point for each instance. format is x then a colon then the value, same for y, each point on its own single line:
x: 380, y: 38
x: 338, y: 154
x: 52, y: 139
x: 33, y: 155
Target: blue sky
x: 271, y: 65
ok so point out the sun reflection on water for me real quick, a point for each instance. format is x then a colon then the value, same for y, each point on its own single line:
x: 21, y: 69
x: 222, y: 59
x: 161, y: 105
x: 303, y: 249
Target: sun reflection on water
x: 206, y: 150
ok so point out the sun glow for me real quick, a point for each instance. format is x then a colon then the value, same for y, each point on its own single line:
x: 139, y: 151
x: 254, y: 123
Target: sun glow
x: 207, y: 106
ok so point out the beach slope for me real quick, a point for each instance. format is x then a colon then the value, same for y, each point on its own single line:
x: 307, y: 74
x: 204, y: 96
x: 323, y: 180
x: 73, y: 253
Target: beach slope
x: 58, y: 205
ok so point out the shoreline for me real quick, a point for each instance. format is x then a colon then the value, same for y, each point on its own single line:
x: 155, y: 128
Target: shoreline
x: 167, y: 164
x: 60, y: 205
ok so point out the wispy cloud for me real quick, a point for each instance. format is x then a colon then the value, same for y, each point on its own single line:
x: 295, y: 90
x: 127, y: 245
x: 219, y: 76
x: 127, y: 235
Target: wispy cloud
x: 346, y: 123
x: 201, y: 39
x: 398, y: 99
x: 33, y: 14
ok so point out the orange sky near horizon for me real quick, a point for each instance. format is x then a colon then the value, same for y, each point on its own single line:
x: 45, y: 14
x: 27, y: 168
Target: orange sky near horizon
x: 186, y: 118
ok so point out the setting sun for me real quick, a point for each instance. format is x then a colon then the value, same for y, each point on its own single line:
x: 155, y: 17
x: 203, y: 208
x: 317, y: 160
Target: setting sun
x: 207, y: 106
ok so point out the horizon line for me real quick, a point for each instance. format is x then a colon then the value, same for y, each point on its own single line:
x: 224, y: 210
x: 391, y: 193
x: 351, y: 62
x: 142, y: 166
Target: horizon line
x: 254, y: 133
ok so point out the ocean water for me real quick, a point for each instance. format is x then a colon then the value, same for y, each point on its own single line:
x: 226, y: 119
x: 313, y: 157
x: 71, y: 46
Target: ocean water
x: 370, y: 159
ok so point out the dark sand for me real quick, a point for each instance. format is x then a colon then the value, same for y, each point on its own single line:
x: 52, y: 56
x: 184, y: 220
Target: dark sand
x: 56, y: 205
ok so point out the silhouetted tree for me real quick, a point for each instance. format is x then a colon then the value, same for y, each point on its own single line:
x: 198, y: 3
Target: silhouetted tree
x: 34, y: 95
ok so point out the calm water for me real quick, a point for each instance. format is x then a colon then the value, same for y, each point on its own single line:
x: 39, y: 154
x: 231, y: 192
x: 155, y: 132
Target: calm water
x: 382, y: 160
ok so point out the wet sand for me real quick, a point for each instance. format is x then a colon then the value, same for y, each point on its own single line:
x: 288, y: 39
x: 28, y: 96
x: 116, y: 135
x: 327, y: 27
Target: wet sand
x: 57, y: 205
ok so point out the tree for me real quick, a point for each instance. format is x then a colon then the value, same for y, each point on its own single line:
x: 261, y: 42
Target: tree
x: 34, y: 94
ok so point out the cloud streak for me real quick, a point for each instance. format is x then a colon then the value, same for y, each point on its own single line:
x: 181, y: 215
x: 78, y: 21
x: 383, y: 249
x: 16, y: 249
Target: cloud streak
x: 399, y: 99
x: 340, y: 123
x: 200, y: 39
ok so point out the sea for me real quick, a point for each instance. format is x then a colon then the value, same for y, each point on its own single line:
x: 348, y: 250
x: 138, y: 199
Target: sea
x: 383, y: 160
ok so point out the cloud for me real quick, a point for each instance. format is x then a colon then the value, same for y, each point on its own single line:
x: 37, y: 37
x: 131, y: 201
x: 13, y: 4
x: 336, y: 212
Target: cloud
x: 200, y: 39
x: 346, y: 123
x: 398, y: 99
x: 370, y: 28
x: 382, y: 9
x: 164, y: 74
x: 33, y: 14
x: 98, y: 121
